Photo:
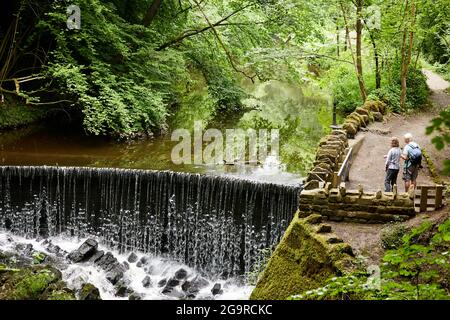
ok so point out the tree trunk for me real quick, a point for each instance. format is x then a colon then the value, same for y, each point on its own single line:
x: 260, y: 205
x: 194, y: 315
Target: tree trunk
x: 347, y: 37
x: 376, y: 58
x: 151, y: 12
x: 407, y: 51
x: 359, y: 8
x: 356, y: 60
x: 338, y: 40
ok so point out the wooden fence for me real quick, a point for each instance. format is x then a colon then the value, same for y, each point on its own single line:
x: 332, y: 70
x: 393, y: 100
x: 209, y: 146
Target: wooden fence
x: 428, y: 198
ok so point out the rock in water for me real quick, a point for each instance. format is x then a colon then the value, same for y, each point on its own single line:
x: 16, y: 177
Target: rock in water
x: 114, y: 275
x: 84, y: 252
x: 181, y: 274
x: 144, y: 260
x: 89, y: 292
x: 97, y: 256
x: 174, y: 293
x: 132, y: 258
x: 162, y: 282
x: 123, y: 290
x: 193, y: 287
x: 172, y: 282
x: 135, y: 296
x: 147, y: 282
x: 107, y: 261
x: 217, y: 289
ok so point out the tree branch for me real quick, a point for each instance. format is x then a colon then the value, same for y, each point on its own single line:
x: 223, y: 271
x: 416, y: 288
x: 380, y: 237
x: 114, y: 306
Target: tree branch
x: 190, y: 33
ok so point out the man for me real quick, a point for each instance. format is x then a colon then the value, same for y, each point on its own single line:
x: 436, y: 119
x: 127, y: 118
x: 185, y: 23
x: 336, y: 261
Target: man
x: 412, y: 154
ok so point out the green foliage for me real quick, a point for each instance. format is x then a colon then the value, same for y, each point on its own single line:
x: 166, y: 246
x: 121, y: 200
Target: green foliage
x: 392, y: 235
x: 390, y: 95
x: 38, y: 257
x: 441, y: 124
x: 417, y: 91
x: 418, y: 268
x: 435, y: 28
x: 357, y: 286
x: 126, y: 79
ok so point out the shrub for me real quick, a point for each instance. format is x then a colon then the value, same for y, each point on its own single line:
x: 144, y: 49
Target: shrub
x: 389, y: 94
x: 417, y: 91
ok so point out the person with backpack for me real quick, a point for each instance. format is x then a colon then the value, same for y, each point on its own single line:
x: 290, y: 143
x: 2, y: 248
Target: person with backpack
x: 392, y: 165
x: 412, y: 154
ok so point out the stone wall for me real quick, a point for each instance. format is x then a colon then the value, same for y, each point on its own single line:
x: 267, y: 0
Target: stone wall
x: 307, y: 255
x: 339, y: 204
x: 333, y: 148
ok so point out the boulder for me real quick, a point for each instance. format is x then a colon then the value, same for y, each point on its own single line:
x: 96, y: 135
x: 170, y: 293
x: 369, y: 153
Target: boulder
x: 89, y: 292
x: 96, y: 256
x: 193, y: 287
x: 135, y: 296
x: 144, y: 260
x: 162, y: 282
x: 378, y: 116
x: 132, y: 258
x: 122, y: 290
x: 147, y: 282
x: 362, y: 111
x: 84, y: 252
x: 217, y: 289
x: 107, y: 261
x: 174, y: 293
x: 114, y: 275
x: 172, y: 282
x: 180, y: 274
x: 350, y: 129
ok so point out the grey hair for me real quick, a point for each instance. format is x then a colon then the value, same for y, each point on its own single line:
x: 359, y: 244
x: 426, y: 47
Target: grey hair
x: 408, y: 136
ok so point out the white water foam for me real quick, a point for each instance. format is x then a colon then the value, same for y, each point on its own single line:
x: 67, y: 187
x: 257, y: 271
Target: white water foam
x: 158, y: 268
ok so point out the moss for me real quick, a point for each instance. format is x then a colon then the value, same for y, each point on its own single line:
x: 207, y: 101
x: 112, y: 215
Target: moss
x: 302, y: 261
x: 29, y: 284
x: 89, y: 292
x: 14, y: 113
x: 61, y: 295
x: 391, y: 235
x: 433, y: 171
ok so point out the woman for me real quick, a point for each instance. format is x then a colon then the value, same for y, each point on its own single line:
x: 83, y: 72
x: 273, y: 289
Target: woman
x: 392, y: 165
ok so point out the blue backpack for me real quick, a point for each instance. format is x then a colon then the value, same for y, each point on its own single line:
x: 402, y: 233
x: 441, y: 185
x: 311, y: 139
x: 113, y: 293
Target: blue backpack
x: 415, y: 155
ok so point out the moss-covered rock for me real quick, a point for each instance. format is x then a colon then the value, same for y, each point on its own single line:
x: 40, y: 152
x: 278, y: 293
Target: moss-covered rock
x: 89, y: 292
x: 33, y: 283
x: 303, y: 260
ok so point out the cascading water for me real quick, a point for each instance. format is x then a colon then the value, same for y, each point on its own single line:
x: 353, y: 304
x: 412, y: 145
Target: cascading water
x: 216, y: 225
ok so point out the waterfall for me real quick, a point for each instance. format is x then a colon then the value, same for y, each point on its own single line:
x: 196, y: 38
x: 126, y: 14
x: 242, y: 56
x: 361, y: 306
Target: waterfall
x: 218, y: 225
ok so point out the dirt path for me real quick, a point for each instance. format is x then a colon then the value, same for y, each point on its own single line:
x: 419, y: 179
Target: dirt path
x: 368, y: 167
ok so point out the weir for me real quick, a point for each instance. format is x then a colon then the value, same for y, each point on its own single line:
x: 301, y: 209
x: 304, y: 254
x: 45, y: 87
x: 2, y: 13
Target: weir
x: 216, y: 224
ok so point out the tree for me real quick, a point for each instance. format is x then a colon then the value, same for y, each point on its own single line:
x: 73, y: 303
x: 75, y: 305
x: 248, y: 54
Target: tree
x: 151, y: 12
x: 407, y: 47
x: 357, y: 61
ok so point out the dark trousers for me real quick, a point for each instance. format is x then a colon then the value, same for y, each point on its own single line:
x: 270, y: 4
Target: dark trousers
x: 390, y: 180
